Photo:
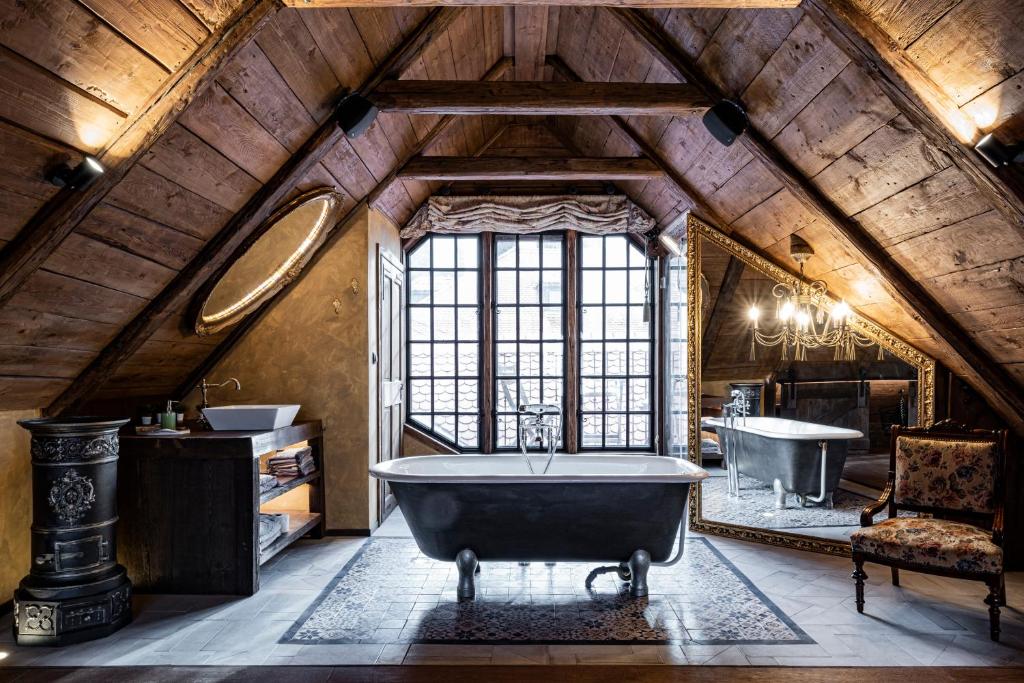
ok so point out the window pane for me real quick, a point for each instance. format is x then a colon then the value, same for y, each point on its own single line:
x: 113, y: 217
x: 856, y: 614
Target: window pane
x: 552, y: 391
x: 444, y: 360
x: 591, y: 395
x: 505, y: 252
x: 419, y: 360
x: 469, y: 324
x: 529, y: 323
x: 614, y: 431
x: 469, y: 360
x: 444, y: 426
x: 467, y: 252
x: 444, y: 252
x: 529, y: 286
x: 551, y: 288
x: 506, y: 432
x: 529, y: 360
x: 506, y: 360
x: 593, y: 430
x: 529, y: 391
x: 592, y: 252
x: 592, y: 287
x: 420, y: 398
x: 615, y: 395
x: 419, y: 324
x: 468, y: 428
x: 637, y: 281
x: 615, y: 251
x: 424, y: 421
x: 469, y: 395
x: 506, y: 396
x: 552, y: 322
x: 444, y: 396
x: 615, y: 326
x: 639, y: 430
x: 444, y: 323
x: 420, y: 256
x: 553, y: 361
x: 637, y: 259
x: 638, y: 329
x: 591, y: 322
x: 419, y: 287
x: 639, y: 359
x: 590, y: 358
x: 469, y: 287
x: 505, y: 287
x: 506, y: 325
x: 615, y: 287
x: 529, y: 252
x: 552, y: 252
x: 615, y: 358
x: 639, y: 395
x: 444, y: 287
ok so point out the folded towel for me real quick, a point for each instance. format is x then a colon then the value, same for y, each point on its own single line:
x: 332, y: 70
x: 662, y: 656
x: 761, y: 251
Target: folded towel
x: 267, y: 482
x: 270, y: 529
x: 292, y: 462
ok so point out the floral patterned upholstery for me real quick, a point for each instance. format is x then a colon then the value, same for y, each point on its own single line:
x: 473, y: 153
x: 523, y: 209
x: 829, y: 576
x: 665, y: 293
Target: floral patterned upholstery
x: 931, y: 543
x: 946, y: 473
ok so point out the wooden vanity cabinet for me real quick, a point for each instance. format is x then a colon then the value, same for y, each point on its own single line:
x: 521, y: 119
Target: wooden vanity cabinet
x: 189, y: 508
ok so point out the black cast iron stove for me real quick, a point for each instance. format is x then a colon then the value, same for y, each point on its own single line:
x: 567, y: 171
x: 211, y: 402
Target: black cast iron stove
x: 75, y: 589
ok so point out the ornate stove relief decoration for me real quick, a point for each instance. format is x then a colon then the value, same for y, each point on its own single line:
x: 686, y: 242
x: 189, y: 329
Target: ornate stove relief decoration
x: 65, y: 449
x: 71, y: 496
x: 39, y: 619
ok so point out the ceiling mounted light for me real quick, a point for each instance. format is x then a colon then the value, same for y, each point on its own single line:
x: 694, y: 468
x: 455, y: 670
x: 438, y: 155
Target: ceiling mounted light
x: 76, y: 178
x: 726, y: 121
x: 355, y: 114
x: 998, y: 153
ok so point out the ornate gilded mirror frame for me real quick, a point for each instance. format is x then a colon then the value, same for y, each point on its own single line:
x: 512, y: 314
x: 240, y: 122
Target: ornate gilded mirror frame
x: 925, y: 366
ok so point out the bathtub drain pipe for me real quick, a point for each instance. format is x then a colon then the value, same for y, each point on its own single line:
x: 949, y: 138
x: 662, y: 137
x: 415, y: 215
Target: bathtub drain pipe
x: 824, y: 459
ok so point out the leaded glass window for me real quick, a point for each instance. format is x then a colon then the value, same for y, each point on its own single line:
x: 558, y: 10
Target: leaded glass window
x: 616, y: 345
x: 444, y: 338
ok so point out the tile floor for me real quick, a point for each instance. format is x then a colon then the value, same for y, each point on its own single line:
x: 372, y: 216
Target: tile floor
x: 926, y: 621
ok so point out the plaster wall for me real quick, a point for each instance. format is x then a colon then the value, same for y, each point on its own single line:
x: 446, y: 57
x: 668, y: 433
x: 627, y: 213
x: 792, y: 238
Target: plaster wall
x: 15, y: 500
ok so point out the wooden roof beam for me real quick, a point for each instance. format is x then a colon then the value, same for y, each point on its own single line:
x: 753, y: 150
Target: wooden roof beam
x: 538, y: 98
x: 56, y: 219
x: 219, y: 251
x: 726, y: 292
x: 692, y: 4
x: 920, y: 99
x: 1002, y: 393
x: 529, y: 168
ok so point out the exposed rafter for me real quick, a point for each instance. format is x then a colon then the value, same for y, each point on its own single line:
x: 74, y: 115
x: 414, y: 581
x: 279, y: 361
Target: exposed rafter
x: 56, y: 219
x: 529, y: 168
x: 918, y: 98
x: 219, y: 251
x: 538, y: 98
x: 726, y: 291
x: 992, y: 379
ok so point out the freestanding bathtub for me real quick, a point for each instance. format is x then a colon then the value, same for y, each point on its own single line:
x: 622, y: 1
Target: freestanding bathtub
x: 803, y: 458
x: 600, y: 508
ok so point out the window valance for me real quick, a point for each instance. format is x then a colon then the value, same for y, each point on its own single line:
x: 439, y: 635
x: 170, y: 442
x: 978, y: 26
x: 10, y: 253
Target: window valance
x: 589, y: 214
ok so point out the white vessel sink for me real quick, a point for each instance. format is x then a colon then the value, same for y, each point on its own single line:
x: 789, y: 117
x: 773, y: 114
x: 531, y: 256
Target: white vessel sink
x: 249, y: 418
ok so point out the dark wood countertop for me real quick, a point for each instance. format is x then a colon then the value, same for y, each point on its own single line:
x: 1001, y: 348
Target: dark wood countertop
x: 221, y: 443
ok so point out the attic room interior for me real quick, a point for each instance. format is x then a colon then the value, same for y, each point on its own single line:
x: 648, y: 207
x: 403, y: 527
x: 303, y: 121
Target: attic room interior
x: 384, y: 340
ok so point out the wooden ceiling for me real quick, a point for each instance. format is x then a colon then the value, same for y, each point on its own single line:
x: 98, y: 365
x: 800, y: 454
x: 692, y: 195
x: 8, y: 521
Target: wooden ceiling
x: 225, y: 112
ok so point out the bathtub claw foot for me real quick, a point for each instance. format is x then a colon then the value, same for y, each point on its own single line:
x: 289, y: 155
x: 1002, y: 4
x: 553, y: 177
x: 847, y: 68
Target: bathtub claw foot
x: 829, y: 504
x: 467, y: 565
x: 639, y: 563
x: 780, y: 495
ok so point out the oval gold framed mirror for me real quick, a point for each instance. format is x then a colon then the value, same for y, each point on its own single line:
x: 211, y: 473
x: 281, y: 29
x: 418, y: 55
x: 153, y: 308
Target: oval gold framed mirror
x: 796, y: 439
x: 273, y: 258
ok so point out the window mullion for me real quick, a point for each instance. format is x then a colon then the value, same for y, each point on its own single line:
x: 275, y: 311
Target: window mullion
x: 487, y: 347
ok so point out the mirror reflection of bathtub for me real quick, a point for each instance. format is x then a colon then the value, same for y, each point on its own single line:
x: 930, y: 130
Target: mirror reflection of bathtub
x: 801, y: 458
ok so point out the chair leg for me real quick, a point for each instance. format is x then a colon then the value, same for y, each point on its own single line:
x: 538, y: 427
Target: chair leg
x: 895, y: 576
x: 858, y: 577
x: 993, y: 601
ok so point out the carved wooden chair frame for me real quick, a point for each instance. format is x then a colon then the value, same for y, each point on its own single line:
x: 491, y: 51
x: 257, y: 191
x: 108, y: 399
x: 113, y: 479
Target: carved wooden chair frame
x: 950, y: 431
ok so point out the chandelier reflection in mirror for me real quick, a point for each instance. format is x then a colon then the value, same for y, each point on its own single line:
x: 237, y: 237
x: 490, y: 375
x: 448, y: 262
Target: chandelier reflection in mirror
x: 807, y: 318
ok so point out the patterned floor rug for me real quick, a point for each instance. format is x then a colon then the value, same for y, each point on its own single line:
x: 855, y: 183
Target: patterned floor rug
x: 755, y: 507
x: 390, y: 592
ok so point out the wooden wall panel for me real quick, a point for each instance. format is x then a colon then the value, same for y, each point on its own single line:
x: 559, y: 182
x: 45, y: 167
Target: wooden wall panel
x: 163, y: 28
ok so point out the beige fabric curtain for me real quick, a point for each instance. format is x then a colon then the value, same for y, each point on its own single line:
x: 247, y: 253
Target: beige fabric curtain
x: 591, y: 214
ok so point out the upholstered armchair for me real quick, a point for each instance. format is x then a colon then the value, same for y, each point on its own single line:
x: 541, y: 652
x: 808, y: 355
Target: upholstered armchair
x: 955, y: 476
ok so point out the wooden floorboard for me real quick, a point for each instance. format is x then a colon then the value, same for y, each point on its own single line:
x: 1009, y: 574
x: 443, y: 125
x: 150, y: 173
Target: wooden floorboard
x: 502, y: 674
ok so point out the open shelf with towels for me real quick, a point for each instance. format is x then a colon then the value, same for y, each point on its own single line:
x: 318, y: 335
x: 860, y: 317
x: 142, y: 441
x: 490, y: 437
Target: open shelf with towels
x: 190, y: 507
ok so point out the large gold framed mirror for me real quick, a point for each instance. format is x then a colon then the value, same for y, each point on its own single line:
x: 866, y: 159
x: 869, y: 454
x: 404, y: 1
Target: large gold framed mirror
x: 790, y: 395
x: 275, y: 255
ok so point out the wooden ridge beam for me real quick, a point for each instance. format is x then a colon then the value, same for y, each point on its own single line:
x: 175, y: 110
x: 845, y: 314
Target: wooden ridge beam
x: 529, y: 168
x: 1001, y: 391
x: 668, y: 4
x: 701, y: 208
x: 918, y: 98
x: 57, y: 218
x: 538, y: 98
x: 234, y: 236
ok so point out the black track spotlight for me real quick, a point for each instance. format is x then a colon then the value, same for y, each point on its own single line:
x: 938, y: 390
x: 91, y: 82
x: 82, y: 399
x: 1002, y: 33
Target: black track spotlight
x: 998, y: 153
x: 355, y: 114
x: 77, y: 178
x: 726, y: 121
